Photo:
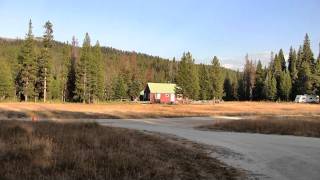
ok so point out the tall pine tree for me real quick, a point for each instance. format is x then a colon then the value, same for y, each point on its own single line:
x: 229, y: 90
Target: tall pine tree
x: 285, y: 85
x: 217, y: 79
x: 120, y: 89
x: 282, y: 60
x: 97, y: 76
x: 228, y: 89
x: 249, y: 78
x: 83, y: 72
x: 187, y: 78
x: 292, y: 63
x: 304, y: 81
x: 6, y: 81
x: 43, y: 64
x: 204, y: 82
x: 307, y: 54
x: 65, y: 67
x: 270, y: 86
x: 72, y: 66
x: 292, y: 67
x: 258, y: 89
x: 26, y: 77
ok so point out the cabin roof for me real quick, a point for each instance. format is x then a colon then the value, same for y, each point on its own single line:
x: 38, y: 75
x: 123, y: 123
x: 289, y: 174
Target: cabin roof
x: 162, y: 88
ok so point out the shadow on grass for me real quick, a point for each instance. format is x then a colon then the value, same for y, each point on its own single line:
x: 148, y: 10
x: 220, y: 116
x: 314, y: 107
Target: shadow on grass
x: 52, y: 114
x: 63, y: 115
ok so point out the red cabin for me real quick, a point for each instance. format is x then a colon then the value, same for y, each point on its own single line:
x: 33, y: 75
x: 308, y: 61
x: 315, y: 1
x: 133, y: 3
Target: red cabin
x: 160, y: 93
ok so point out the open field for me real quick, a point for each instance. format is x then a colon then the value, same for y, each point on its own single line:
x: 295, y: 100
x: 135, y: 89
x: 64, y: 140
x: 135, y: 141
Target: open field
x: 138, y: 111
x: 88, y: 151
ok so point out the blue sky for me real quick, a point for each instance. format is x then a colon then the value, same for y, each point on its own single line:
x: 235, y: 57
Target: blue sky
x: 167, y: 28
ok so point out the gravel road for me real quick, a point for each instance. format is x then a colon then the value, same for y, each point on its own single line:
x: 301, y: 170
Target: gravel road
x: 262, y: 156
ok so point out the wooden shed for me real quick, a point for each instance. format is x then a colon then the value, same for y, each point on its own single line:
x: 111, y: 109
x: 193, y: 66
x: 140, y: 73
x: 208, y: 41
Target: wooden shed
x: 160, y: 93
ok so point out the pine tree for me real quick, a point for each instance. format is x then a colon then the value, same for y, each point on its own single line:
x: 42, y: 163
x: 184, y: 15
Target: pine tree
x: 240, y: 90
x: 6, y: 81
x: 173, y: 71
x: 258, y: 89
x: 43, y: 64
x: 270, y: 86
x: 217, y: 79
x: 304, y: 81
x: 71, y: 77
x: 97, y: 76
x: 282, y: 60
x: 65, y: 68
x: 235, y: 86
x: 204, y: 82
x: 228, y: 89
x: 277, y: 66
x: 316, y: 75
x: 299, y: 58
x: 285, y: 85
x: 278, y: 60
x: 120, y: 90
x: 307, y: 54
x: 83, y: 72
x: 187, y: 78
x: 249, y: 78
x: 26, y: 77
x: 292, y: 67
x: 134, y: 88
x: 292, y: 63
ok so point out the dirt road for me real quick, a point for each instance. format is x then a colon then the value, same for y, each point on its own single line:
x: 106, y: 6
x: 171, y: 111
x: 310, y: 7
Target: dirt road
x: 263, y: 156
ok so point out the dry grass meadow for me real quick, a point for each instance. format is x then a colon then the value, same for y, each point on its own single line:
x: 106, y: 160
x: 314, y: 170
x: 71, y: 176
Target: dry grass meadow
x: 48, y: 150
x: 122, y: 110
x: 254, y: 117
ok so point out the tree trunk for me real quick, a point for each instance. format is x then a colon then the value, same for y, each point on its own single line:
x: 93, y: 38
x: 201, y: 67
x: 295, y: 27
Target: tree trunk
x: 45, y: 85
x: 26, y: 94
x: 84, y: 87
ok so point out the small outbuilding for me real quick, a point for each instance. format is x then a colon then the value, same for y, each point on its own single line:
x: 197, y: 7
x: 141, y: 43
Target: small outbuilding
x: 160, y: 93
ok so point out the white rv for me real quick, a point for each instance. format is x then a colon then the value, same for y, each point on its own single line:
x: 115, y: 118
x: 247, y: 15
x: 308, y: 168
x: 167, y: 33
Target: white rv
x: 307, y: 99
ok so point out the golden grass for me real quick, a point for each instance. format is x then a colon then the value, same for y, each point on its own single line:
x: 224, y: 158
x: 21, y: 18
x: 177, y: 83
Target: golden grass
x: 127, y: 110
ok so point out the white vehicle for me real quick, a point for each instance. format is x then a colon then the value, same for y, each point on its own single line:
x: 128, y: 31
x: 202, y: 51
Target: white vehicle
x: 307, y: 99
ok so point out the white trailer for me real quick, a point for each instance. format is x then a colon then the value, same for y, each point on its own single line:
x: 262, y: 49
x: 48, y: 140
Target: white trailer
x: 307, y: 99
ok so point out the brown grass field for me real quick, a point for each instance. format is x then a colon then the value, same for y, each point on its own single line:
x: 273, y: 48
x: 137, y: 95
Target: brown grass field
x: 122, y: 110
x: 48, y: 150
x: 255, y: 117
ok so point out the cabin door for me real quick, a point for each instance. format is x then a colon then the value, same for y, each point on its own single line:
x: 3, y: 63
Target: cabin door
x: 172, y: 97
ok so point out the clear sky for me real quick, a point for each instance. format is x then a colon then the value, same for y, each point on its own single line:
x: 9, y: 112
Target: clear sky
x: 167, y: 28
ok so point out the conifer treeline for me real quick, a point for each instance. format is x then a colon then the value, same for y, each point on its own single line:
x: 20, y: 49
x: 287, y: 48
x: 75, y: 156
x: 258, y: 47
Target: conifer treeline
x: 40, y: 69
x: 283, y: 79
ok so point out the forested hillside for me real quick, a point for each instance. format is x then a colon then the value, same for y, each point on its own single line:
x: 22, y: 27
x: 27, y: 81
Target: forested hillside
x: 87, y: 73
x: 40, y: 69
